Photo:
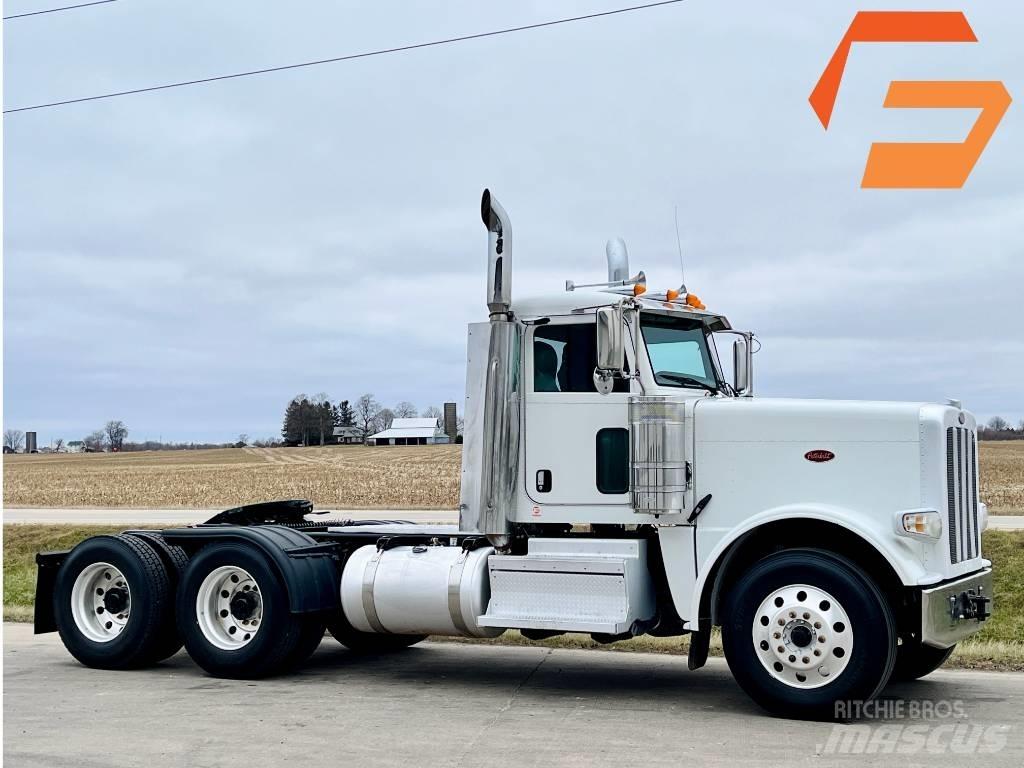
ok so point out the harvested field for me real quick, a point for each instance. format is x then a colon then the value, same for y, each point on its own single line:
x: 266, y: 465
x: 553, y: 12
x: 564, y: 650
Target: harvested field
x: 421, y: 477
x: 1002, y: 476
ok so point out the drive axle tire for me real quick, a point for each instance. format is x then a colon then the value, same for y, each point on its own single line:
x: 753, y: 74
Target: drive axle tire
x: 233, y: 614
x: 113, y: 603
x: 175, y: 561
x: 915, y: 660
x: 805, y: 629
x: 368, y: 642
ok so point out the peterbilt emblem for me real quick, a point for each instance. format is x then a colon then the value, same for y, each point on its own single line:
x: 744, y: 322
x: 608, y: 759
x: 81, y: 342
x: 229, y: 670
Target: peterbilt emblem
x: 819, y: 455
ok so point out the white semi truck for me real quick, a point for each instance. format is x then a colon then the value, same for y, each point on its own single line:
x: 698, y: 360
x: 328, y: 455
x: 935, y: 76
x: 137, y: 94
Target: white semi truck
x: 614, y: 484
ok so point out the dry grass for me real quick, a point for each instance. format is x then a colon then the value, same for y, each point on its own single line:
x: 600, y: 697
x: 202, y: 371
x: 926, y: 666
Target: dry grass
x: 421, y: 477
x: 1002, y: 476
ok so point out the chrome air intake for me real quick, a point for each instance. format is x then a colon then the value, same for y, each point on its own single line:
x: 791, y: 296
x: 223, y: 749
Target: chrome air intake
x: 658, y: 466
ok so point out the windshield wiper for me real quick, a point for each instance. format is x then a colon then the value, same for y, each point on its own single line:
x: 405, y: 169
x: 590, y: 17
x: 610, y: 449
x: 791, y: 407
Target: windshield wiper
x: 686, y: 381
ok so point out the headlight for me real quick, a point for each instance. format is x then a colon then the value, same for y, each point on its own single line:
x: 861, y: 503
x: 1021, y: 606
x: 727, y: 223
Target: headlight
x: 926, y: 523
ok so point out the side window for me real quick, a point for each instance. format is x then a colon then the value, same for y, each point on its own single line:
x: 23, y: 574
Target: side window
x: 613, y: 460
x: 564, y: 358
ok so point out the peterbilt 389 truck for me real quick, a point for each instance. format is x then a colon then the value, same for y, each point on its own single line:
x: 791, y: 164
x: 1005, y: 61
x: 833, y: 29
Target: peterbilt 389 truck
x: 614, y: 483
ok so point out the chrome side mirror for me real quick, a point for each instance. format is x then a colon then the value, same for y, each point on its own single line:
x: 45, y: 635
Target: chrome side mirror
x: 740, y: 366
x: 611, y: 348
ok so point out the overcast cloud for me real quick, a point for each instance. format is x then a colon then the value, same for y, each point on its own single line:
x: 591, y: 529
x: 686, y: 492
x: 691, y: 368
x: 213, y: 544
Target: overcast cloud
x: 188, y: 260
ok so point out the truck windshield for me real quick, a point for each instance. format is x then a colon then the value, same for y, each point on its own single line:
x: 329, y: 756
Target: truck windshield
x: 678, y: 350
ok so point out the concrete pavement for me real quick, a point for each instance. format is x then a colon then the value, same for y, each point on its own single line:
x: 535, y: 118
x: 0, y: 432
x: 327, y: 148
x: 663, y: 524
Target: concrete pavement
x: 1006, y: 522
x: 128, y: 517
x: 449, y: 704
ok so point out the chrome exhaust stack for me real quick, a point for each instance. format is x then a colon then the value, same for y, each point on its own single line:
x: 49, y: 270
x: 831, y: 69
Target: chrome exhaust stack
x: 499, y: 255
x: 618, y: 260
x: 494, y: 446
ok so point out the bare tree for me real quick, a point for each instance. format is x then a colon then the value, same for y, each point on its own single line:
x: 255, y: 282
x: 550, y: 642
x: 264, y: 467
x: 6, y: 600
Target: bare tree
x: 405, y: 410
x: 116, y: 432
x: 14, y: 439
x: 433, y: 412
x: 385, y: 416
x: 366, y: 412
x: 94, y: 441
x: 58, y: 445
x: 997, y: 424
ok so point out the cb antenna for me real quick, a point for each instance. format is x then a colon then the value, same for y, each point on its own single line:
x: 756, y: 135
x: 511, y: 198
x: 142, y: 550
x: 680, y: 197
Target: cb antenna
x: 679, y: 245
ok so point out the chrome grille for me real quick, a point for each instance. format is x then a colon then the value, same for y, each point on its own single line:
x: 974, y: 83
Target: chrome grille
x: 962, y: 494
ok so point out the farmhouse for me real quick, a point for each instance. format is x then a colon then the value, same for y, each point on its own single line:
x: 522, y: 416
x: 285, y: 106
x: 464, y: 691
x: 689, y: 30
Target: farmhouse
x: 348, y: 435
x: 422, y: 431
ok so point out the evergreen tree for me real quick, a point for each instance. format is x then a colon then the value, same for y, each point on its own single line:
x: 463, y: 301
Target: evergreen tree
x: 345, y: 416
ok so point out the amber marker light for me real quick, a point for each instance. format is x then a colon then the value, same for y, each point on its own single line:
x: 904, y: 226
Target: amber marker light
x: 671, y: 295
x: 638, y: 289
x: 693, y: 301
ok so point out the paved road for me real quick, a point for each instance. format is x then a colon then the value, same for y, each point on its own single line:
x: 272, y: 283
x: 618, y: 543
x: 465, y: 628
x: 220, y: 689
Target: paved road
x: 119, y: 516
x: 1006, y: 522
x: 447, y: 704
x: 184, y: 516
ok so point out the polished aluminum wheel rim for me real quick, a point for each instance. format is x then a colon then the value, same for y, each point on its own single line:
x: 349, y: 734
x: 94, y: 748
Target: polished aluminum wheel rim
x: 802, y: 636
x: 101, y: 602
x: 229, y: 607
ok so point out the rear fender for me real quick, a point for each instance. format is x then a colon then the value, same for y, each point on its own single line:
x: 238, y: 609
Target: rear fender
x: 311, y: 577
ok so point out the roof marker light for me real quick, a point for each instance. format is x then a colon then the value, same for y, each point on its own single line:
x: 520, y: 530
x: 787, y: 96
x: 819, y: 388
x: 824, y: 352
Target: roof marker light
x: 671, y: 295
x: 639, y: 288
x: 693, y: 301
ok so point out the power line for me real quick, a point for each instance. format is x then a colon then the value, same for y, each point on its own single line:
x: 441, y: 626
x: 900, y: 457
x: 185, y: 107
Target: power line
x: 348, y: 57
x: 54, y: 10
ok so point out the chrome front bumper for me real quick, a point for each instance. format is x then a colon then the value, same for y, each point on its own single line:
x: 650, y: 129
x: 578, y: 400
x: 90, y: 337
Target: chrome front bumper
x: 952, y: 611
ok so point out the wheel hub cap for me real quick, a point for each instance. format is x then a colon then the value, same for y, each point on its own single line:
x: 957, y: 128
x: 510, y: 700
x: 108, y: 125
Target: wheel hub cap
x: 802, y: 636
x: 101, y: 602
x: 229, y: 607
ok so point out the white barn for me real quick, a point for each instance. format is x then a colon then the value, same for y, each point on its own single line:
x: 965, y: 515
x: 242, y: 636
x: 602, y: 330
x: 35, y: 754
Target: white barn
x: 416, y: 431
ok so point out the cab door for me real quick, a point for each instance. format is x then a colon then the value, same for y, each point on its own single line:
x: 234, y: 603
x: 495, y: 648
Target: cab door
x: 576, y: 440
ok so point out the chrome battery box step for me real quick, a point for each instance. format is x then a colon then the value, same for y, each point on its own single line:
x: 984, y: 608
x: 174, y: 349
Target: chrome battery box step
x: 571, y: 585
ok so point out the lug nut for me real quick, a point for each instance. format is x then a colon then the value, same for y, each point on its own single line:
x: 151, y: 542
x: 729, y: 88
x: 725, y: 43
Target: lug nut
x: 777, y: 635
x: 806, y: 615
x: 817, y: 652
x: 792, y: 614
x: 817, y: 625
x: 782, y: 622
x: 805, y: 660
x: 821, y: 638
x: 782, y: 649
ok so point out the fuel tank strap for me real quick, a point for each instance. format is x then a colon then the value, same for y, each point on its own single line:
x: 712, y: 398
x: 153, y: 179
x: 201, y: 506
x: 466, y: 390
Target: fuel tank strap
x: 455, y: 592
x: 369, y: 575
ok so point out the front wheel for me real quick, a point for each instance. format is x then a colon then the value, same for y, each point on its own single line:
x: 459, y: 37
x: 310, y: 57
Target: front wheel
x: 805, y: 630
x: 915, y: 660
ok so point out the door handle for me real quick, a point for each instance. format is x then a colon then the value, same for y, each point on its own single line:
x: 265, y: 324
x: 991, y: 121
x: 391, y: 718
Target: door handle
x: 543, y: 480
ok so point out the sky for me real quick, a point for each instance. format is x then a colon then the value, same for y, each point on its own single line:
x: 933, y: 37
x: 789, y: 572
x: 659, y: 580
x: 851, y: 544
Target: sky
x: 188, y: 260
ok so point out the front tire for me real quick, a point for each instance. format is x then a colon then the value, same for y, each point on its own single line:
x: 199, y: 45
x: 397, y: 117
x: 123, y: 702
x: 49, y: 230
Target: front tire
x: 234, y: 617
x: 915, y: 660
x: 805, y: 629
